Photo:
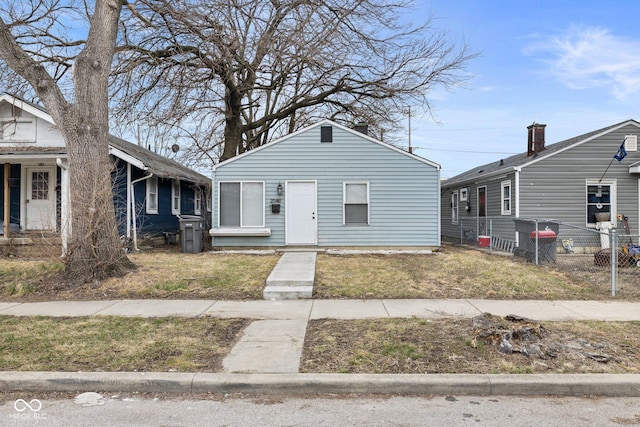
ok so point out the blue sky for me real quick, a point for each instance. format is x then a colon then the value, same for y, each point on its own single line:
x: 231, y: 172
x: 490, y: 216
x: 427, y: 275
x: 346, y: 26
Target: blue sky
x: 574, y: 66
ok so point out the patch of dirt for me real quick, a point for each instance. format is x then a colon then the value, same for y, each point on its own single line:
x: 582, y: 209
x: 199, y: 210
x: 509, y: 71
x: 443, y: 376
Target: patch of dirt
x: 483, y: 345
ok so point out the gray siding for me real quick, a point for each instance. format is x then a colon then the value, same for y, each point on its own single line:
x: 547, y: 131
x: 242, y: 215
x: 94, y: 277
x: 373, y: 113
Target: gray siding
x: 404, y: 191
x: 555, y: 187
x: 500, y: 225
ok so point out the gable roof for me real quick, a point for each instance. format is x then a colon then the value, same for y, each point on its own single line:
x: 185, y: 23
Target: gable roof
x: 137, y: 155
x: 325, y: 123
x: 521, y: 160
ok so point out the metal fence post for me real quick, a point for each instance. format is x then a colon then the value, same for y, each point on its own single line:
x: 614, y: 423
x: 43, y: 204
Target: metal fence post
x: 613, y: 244
x: 490, y: 234
x: 537, y: 233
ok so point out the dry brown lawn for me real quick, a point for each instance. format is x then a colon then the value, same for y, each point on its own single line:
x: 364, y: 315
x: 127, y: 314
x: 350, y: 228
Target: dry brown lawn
x: 447, y: 346
x: 451, y: 272
x: 373, y: 346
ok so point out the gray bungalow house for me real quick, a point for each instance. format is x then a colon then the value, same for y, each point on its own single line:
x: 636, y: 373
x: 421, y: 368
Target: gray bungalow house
x: 570, y: 181
x: 326, y: 185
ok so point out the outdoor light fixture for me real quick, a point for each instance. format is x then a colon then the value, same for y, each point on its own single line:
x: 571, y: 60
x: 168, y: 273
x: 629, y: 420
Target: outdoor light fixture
x: 279, y: 189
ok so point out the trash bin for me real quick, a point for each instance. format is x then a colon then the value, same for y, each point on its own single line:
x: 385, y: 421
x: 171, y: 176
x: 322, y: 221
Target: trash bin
x: 546, y: 244
x: 191, y: 234
x: 526, y: 229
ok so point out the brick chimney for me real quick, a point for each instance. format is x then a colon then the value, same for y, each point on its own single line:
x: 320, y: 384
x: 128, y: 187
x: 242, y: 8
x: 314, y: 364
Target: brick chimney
x: 535, y: 138
x: 362, y: 127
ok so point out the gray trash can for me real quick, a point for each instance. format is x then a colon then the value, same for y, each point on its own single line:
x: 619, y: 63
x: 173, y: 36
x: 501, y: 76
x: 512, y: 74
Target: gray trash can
x: 191, y: 234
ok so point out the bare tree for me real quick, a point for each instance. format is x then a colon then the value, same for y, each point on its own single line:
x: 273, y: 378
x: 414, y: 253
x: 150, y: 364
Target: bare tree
x: 250, y: 70
x: 37, y: 43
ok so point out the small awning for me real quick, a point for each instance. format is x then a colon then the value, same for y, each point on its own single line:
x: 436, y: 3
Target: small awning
x: 634, y: 167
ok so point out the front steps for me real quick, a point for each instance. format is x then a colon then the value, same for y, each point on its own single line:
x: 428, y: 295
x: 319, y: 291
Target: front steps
x: 292, y: 277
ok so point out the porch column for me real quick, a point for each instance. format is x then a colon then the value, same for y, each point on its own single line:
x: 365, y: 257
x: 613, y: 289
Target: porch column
x: 65, y: 207
x: 7, y: 201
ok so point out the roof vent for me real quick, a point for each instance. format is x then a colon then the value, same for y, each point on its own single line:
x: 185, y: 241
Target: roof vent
x: 326, y: 134
x: 362, y: 127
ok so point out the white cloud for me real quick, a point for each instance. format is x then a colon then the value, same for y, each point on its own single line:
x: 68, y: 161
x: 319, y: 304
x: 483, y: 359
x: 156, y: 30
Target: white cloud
x: 592, y: 57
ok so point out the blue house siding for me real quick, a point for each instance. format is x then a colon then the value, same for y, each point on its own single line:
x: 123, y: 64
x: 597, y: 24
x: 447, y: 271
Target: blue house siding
x: 14, y: 193
x: 150, y: 224
x: 403, y: 189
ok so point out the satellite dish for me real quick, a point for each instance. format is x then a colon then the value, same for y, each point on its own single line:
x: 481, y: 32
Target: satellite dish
x: 175, y: 148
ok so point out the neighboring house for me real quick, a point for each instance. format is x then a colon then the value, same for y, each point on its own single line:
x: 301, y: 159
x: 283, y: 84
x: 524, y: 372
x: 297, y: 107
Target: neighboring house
x: 326, y: 185
x: 569, y: 181
x: 150, y: 191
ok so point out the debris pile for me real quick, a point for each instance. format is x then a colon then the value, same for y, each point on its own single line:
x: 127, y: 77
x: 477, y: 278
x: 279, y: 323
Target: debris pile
x: 516, y: 334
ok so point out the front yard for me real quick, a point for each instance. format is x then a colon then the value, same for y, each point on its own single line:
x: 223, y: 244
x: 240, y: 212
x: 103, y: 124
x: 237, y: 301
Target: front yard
x: 452, y: 272
x: 373, y: 346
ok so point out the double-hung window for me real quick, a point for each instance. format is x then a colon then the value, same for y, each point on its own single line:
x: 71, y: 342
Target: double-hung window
x: 197, y: 201
x: 454, y: 207
x: 505, y: 192
x: 601, y: 201
x: 241, y: 204
x: 356, y: 203
x: 175, y: 197
x: 152, y: 195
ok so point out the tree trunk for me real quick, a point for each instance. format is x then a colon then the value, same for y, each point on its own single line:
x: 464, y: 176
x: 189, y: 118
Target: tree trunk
x: 95, y: 249
x: 233, y: 124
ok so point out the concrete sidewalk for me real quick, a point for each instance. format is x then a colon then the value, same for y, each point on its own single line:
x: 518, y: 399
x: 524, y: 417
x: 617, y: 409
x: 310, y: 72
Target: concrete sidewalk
x: 266, y: 358
x: 332, y: 309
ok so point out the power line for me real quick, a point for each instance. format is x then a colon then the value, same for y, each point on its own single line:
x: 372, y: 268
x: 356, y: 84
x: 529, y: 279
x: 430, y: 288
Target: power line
x: 464, y: 151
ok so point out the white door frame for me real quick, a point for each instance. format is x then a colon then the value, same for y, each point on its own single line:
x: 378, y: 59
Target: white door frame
x: 288, y: 211
x: 26, y: 199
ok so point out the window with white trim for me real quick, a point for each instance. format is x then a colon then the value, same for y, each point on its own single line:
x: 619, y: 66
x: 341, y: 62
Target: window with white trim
x: 505, y: 195
x: 454, y: 207
x: 631, y: 143
x: 197, y: 201
x: 464, y: 194
x: 356, y: 203
x: 241, y: 204
x: 152, y: 195
x: 601, y: 201
x: 175, y: 197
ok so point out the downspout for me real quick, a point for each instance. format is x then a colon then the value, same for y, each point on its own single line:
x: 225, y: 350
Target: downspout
x: 133, y: 210
x: 517, y: 194
x: 65, y: 210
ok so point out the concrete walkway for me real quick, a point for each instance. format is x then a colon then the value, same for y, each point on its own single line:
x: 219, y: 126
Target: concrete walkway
x: 266, y: 358
x: 292, y: 277
x: 333, y: 309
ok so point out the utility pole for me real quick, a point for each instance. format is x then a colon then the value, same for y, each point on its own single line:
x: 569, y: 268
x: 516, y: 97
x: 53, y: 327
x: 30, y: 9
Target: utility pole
x: 410, y: 148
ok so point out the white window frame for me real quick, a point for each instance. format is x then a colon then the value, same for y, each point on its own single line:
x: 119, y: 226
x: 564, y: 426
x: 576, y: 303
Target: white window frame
x: 242, y: 183
x: 503, y: 185
x: 197, y: 201
x: 455, y: 206
x: 613, y: 191
x: 151, y: 194
x: 344, y: 203
x: 175, y: 196
x: 464, y: 194
x: 631, y: 143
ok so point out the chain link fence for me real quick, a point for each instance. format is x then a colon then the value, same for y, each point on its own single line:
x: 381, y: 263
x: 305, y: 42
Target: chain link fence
x: 598, y: 255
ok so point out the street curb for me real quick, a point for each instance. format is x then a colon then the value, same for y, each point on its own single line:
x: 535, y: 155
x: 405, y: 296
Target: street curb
x: 609, y: 385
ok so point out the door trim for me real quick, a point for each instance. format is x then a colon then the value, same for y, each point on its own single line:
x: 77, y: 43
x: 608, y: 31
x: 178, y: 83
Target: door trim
x: 287, y: 210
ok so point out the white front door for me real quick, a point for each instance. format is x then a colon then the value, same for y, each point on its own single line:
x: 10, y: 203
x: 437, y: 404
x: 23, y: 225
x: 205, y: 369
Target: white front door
x: 301, y: 213
x: 40, y: 199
